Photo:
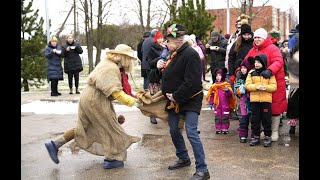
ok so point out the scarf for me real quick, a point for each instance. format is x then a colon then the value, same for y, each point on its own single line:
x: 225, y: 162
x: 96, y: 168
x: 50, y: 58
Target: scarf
x: 214, y: 88
x: 125, y: 83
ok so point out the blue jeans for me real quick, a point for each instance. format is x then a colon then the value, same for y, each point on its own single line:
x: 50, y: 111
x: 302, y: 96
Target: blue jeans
x: 191, y: 125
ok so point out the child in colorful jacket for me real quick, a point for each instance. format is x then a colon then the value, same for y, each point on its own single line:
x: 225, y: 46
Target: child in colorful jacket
x: 261, y: 89
x: 244, y: 100
x: 223, y: 100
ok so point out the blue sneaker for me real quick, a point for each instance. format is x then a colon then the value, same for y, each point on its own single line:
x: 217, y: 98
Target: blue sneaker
x: 53, y: 151
x: 112, y: 164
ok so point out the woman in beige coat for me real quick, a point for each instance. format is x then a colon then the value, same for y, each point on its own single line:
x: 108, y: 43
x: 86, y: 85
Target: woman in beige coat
x: 98, y: 130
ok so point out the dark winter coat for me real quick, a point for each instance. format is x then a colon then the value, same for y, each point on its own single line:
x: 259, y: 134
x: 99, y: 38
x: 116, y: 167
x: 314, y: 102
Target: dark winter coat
x: 139, y: 50
x: 182, y: 77
x: 152, y: 58
x: 72, y: 59
x: 235, y: 58
x: 275, y: 64
x: 218, y: 57
x: 53, y: 63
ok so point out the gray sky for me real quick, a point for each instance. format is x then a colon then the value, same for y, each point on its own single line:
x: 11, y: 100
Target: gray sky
x: 58, y: 10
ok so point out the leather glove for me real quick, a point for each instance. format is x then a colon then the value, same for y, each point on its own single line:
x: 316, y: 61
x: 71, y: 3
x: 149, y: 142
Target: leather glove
x: 266, y: 73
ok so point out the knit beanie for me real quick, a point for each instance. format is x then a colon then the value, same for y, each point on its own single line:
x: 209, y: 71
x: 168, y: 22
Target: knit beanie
x: 157, y: 36
x: 223, y: 73
x: 261, y: 33
x: 245, y: 28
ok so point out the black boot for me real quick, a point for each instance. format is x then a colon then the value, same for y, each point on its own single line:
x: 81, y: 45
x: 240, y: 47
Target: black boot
x: 77, y: 91
x: 292, y: 130
x: 255, y: 141
x: 70, y: 91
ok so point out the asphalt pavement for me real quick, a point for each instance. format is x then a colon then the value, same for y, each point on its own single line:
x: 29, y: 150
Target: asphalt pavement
x: 227, y: 158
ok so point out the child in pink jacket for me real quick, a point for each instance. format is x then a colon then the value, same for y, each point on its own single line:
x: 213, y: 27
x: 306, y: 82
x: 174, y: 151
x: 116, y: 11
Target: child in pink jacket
x: 223, y: 101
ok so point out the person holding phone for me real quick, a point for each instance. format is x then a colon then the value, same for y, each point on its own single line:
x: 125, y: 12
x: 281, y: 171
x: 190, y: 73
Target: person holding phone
x: 216, y: 47
x: 72, y: 62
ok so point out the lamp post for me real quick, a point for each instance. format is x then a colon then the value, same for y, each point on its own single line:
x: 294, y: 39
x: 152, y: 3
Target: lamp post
x: 47, y: 21
x: 228, y: 18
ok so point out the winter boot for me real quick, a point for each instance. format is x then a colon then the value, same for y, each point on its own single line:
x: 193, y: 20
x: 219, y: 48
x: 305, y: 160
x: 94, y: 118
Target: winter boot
x: 77, y: 91
x: 275, y: 128
x: 255, y: 141
x: 292, y: 130
x: 243, y: 139
x: 53, y: 146
x: 70, y: 91
x: 267, y: 141
x: 110, y: 164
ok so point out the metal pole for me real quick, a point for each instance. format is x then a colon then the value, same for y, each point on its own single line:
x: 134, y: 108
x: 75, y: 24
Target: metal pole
x: 228, y: 17
x: 47, y: 21
x: 74, y: 19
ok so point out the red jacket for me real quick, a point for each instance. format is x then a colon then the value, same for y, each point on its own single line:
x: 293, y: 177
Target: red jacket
x: 275, y: 64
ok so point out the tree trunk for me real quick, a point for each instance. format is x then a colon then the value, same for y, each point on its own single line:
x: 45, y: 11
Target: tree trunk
x: 99, y: 33
x: 25, y: 85
x: 148, y: 15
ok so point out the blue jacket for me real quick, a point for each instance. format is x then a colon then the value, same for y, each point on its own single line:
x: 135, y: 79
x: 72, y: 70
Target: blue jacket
x: 53, y: 63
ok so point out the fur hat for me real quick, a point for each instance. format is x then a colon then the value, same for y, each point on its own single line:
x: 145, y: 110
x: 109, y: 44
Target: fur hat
x: 214, y: 34
x: 223, y: 71
x: 262, y: 58
x: 245, y: 28
x: 157, y: 36
x: 123, y: 49
x: 176, y: 30
x: 261, y: 33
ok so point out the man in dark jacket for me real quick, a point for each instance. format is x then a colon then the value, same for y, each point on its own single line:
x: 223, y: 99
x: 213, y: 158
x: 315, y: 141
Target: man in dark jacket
x: 145, y: 67
x: 139, y: 47
x: 182, y: 85
x: 72, y: 61
x: 216, y: 47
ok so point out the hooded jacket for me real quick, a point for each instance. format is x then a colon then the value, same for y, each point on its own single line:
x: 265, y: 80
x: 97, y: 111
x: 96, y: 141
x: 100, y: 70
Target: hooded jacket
x: 275, y: 64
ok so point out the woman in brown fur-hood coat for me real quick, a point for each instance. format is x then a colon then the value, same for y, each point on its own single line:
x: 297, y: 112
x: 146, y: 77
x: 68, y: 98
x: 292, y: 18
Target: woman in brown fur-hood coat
x: 97, y: 130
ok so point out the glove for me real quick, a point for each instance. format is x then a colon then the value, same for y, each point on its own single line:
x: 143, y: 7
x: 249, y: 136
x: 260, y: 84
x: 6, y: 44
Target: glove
x: 239, y: 74
x: 242, y: 89
x: 226, y: 89
x: 266, y: 73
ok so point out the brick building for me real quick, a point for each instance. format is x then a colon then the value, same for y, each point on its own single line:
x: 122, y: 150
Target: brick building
x: 268, y: 18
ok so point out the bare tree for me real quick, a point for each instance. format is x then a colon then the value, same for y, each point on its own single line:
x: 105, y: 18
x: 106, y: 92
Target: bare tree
x: 101, y: 9
x: 88, y: 21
